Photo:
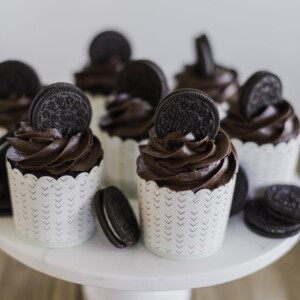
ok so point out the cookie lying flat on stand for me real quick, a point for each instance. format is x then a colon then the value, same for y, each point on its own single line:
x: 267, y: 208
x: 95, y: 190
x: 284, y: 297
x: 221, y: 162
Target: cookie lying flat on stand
x: 116, y: 217
x: 240, y: 192
x: 260, y: 221
x: 283, y: 202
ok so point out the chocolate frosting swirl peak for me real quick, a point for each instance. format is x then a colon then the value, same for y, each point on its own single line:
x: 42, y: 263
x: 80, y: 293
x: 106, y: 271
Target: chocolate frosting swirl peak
x: 222, y: 86
x: 181, y: 162
x: 13, y: 110
x: 128, y: 117
x: 99, y: 78
x: 275, y: 124
x: 51, y: 153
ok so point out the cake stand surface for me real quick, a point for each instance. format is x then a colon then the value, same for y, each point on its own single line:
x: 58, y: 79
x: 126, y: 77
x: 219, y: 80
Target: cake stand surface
x: 134, y: 273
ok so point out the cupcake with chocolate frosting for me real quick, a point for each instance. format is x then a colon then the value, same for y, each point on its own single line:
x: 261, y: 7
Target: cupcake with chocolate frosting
x: 265, y: 131
x: 130, y: 115
x: 108, y: 52
x: 54, y: 169
x: 18, y: 85
x: 219, y: 82
x: 186, y: 177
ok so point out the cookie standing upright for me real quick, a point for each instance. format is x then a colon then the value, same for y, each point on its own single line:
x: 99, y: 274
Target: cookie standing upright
x: 130, y: 115
x: 54, y: 168
x: 265, y: 132
x: 186, y: 178
x: 19, y: 84
x: 108, y: 52
x: 217, y: 81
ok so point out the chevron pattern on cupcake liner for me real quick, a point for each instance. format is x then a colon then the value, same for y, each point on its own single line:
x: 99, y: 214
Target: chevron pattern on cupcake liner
x: 184, y: 224
x: 267, y: 164
x: 120, y: 162
x: 54, y: 211
x: 98, y: 108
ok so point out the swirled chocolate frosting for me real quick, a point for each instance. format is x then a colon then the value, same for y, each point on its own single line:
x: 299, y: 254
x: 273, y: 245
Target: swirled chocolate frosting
x: 128, y: 117
x: 51, y: 153
x: 13, y: 110
x: 181, y: 162
x: 222, y: 86
x: 274, y: 124
x: 99, y: 78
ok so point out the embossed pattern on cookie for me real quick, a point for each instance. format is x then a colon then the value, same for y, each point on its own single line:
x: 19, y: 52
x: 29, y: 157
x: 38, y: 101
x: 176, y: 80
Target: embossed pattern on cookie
x: 259, y: 91
x: 187, y: 110
x: 62, y: 106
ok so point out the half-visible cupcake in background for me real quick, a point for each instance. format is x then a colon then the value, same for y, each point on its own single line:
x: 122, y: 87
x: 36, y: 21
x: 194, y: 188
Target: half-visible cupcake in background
x: 140, y: 87
x: 108, y: 52
x: 265, y: 132
x: 186, y: 178
x: 217, y: 81
x: 54, y: 169
x: 19, y: 84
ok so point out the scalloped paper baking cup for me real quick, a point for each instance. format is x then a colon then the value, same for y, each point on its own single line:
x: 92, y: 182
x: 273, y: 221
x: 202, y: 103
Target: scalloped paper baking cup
x: 184, y: 225
x: 223, y: 108
x: 52, y: 212
x: 98, y: 102
x: 120, y: 162
x: 267, y: 164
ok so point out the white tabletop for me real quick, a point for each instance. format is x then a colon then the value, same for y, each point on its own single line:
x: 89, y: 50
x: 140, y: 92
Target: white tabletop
x: 98, y: 263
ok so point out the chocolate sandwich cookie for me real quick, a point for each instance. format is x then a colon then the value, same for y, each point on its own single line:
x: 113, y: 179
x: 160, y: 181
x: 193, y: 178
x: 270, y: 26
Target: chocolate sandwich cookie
x: 143, y: 79
x: 116, y: 217
x: 259, y: 91
x: 260, y: 221
x: 109, y: 44
x: 240, y: 192
x: 187, y: 110
x: 62, y: 106
x: 283, y: 202
x: 205, y: 64
x: 17, y: 78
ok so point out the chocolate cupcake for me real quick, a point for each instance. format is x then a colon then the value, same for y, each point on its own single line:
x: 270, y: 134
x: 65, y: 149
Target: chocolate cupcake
x: 130, y: 115
x: 219, y: 82
x: 18, y: 85
x: 108, y: 52
x: 54, y: 169
x: 186, y: 178
x: 265, y: 131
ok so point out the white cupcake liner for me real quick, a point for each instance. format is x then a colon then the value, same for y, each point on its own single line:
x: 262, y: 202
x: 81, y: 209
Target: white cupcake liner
x: 120, y: 162
x: 223, y: 109
x: 3, y: 131
x: 98, y: 102
x: 183, y: 225
x: 267, y: 164
x: 52, y: 212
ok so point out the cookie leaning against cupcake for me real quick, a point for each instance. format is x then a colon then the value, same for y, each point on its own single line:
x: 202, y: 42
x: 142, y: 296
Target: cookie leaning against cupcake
x: 140, y: 87
x: 265, y: 132
x: 217, y: 81
x: 18, y: 85
x: 54, y: 169
x: 186, y: 178
x: 108, y: 52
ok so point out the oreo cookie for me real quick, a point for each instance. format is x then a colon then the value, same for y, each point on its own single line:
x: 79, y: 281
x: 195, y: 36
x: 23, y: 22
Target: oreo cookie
x: 240, y: 192
x: 109, y: 44
x: 260, y: 221
x: 116, y: 217
x: 187, y: 110
x: 144, y: 79
x: 259, y: 91
x: 18, y: 78
x: 283, y: 202
x: 62, y: 106
x: 205, y: 62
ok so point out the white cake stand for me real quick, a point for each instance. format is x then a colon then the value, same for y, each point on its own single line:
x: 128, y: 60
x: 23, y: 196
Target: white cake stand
x: 109, y: 273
